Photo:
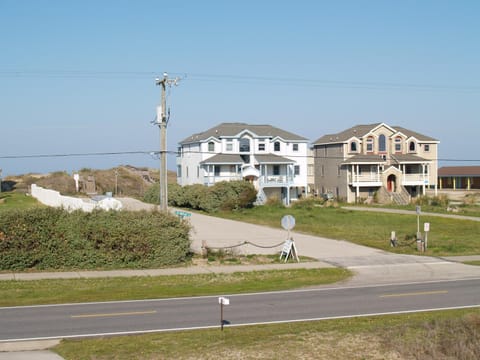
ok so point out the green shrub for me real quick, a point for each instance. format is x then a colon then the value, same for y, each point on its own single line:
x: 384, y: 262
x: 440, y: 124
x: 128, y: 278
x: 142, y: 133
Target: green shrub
x: 48, y: 238
x: 225, y: 195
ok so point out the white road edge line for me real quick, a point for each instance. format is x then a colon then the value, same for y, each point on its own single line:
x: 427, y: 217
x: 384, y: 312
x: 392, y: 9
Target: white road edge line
x: 139, y: 332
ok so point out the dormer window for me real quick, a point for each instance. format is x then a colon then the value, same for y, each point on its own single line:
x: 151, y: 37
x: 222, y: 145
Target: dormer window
x: 412, y: 146
x: 398, y: 144
x: 370, y: 144
x: 276, y: 146
x: 211, y: 146
x: 382, y: 143
x: 353, y: 146
x: 244, y: 145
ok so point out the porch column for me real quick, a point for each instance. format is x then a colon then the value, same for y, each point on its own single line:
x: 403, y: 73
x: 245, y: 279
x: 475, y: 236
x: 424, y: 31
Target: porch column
x: 454, y: 183
x: 468, y: 183
x: 423, y: 176
x: 440, y: 181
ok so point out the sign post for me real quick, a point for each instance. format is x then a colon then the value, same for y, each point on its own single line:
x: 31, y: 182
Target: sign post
x: 426, y: 228
x: 222, y: 301
x: 289, y: 249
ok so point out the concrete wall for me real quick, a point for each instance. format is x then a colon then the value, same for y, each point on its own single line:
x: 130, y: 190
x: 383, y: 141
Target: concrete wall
x: 54, y: 199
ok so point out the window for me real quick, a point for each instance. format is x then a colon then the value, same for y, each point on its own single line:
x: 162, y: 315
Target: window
x: 353, y: 146
x: 370, y: 144
x: 398, y: 144
x: 217, y: 170
x: 426, y: 147
x: 310, y: 170
x: 295, y: 147
x: 229, y: 145
x: 296, y: 170
x: 211, y: 146
x: 179, y: 171
x: 244, y: 145
x: 261, y: 147
x: 276, y: 146
x: 198, y: 171
x: 382, y: 143
x: 338, y: 170
x: 276, y: 169
x: 411, y: 146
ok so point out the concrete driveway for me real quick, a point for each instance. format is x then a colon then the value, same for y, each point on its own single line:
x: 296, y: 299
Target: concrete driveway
x: 372, y: 266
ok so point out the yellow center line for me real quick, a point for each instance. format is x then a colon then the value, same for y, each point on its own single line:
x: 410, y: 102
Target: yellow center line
x: 415, y: 293
x: 113, y: 314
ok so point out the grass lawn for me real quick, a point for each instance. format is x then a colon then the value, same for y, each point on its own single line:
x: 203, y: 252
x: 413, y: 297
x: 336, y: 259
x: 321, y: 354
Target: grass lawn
x: 446, y: 236
x: 451, y: 334
x: 15, y: 200
x: 17, y: 293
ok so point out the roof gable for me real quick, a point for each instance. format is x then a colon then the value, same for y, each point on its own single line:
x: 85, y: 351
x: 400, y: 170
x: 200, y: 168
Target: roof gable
x: 233, y: 130
x: 361, y: 131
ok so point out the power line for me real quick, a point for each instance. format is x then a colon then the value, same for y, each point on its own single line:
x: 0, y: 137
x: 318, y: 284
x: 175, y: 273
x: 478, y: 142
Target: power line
x: 175, y: 152
x: 35, y: 156
x: 232, y: 78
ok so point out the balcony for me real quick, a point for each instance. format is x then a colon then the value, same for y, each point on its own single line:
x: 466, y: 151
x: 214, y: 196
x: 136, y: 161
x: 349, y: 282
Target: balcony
x: 212, y: 179
x: 415, y: 179
x: 275, y: 180
x: 371, y: 179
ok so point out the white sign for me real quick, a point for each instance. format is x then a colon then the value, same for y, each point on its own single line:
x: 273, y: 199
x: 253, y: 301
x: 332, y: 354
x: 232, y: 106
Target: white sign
x: 426, y: 227
x: 288, y: 222
x: 223, y: 300
x: 418, y: 209
x: 287, y: 247
x: 288, y: 250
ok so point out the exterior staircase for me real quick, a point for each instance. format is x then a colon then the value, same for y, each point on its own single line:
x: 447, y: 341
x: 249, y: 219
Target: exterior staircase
x: 261, y: 197
x: 400, y: 198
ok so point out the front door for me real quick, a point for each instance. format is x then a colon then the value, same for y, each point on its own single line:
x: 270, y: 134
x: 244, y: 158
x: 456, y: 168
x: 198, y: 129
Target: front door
x: 391, y: 183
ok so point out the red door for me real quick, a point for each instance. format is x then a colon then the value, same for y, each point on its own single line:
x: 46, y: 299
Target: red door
x: 391, y: 183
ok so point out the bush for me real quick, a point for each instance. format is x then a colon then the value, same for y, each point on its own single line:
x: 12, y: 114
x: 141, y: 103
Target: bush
x: 48, y: 238
x: 225, y: 195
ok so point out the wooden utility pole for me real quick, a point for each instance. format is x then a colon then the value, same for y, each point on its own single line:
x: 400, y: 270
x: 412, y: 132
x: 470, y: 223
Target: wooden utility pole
x: 162, y: 120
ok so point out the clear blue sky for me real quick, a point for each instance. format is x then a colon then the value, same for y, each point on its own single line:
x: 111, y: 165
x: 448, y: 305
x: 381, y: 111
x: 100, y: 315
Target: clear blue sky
x: 79, y: 76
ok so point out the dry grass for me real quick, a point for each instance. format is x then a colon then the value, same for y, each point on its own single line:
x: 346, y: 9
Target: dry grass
x: 436, y: 335
x: 457, y: 338
x: 127, y: 182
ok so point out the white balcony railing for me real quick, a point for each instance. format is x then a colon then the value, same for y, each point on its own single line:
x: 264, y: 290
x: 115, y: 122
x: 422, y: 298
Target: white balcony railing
x: 365, y: 178
x: 414, y: 179
x: 275, y: 180
x: 212, y: 179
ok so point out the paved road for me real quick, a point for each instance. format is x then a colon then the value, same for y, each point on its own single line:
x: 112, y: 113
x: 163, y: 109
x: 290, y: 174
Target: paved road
x: 370, y: 265
x: 112, y: 318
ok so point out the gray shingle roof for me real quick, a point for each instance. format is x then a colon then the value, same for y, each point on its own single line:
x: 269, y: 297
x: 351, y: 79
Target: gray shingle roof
x: 233, y: 159
x: 233, y: 129
x: 362, y: 130
x: 401, y: 158
x: 365, y: 159
x: 273, y: 159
